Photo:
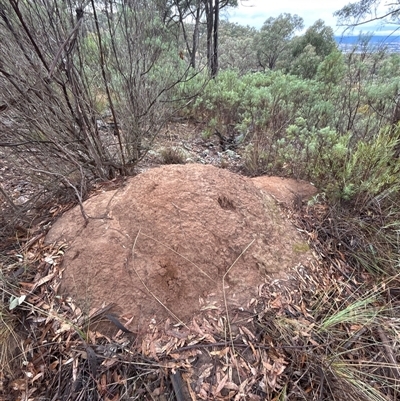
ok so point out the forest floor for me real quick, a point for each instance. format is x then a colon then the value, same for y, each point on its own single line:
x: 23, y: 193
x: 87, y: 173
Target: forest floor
x: 323, y: 332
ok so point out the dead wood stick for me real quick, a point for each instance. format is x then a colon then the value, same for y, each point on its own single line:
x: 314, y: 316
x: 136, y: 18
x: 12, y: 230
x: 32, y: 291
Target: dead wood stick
x: 389, y: 353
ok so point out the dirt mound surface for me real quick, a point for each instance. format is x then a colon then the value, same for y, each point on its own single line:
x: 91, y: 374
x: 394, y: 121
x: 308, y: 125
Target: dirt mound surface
x: 164, y: 243
x: 286, y: 190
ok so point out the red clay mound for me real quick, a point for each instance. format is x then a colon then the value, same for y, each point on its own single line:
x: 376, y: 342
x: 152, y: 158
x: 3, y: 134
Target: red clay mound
x: 286, y: 190
x: 161, y: 245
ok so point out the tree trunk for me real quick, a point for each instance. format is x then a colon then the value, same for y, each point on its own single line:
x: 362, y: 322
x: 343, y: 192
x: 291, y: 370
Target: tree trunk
x: 214, y: 60
x: 210, y: 26
x: 195, y: 43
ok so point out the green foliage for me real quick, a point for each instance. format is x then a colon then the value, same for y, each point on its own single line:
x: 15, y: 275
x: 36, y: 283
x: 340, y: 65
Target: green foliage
x: 361, y: 180
x: 310, y: 49
x: 319, y: 36
x: 306, y: 64
x: 390, y: 66
x: 236, y: 48
x: 357, y: 171
x: 221, y: 99
x: 255, y: 102
x: 277, y: 46
x: 372, y: 169
x: 331, y: 70
x: 303, y: 152
x: 331, y: 130
x: 274, y: 38
x: 352, y: 92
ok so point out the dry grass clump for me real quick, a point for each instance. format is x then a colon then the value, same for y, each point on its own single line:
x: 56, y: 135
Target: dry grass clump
x: 340, y: 336
x: 364, y: 234
x: 172, y: 155
x: 8, y: 338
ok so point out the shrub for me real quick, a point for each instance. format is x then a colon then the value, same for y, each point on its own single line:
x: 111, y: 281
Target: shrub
x: 172, y: 155
x: 119, y: 63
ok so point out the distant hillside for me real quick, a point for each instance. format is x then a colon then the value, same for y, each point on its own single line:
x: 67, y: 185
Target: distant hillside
x: 391, y: 43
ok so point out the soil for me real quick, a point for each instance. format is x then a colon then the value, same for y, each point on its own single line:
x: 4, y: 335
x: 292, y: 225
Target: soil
x: 288, y: 191
x: 175, y: 240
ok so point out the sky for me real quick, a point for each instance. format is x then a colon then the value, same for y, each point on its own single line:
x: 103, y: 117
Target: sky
x: 255, y: 12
